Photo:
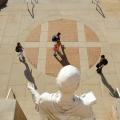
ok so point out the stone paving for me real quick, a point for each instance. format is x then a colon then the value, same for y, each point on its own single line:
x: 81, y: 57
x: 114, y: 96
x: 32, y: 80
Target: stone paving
x: 85, y: 34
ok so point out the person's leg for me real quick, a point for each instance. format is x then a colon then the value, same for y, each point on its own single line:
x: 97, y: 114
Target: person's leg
x: 55, y: 50
x: 58, y: 46
x: 98, y: 65
x: 21, y: 56
x: 99, y: 70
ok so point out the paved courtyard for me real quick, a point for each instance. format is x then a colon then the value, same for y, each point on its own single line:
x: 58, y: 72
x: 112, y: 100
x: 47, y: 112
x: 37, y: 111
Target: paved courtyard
x: 86, y: 33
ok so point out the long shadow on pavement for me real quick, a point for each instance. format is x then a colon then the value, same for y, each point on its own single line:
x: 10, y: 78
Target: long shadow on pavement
x: 28, y: 75
x: 112, y: 91
x: 98, y: 8
x: 31, y: 11
x: 63, y: 58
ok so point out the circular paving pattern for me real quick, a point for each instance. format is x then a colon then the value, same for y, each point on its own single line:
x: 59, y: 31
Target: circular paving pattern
x: 78, y: 38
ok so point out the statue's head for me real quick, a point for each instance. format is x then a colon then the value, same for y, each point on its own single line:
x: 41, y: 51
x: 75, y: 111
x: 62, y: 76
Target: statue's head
x: 68, y: 79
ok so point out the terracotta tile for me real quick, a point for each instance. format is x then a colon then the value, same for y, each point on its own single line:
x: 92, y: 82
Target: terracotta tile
x: 67, y: 28
x: 90, y: 35
x: 34, y: 35
x: 52, y: 64
x: 32, y: 55
x: 93, y: 55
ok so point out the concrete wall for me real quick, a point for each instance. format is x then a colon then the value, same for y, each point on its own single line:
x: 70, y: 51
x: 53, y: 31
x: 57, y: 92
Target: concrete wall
x: 10, y: 110
x: 19, y: 115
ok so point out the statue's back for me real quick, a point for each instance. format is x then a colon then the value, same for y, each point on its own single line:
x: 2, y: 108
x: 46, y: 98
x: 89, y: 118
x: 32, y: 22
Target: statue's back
x: 50, y: 109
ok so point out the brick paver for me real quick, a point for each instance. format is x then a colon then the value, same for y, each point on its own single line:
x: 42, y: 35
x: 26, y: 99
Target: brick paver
x: 67, y: 28
x: 93, y: 55
x: 90, y: 35
x: 32, y: 55
x: 52, y: 62
x: 34, y: 35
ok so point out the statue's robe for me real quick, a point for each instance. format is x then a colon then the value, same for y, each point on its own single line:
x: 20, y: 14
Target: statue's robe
x: 50, y: 108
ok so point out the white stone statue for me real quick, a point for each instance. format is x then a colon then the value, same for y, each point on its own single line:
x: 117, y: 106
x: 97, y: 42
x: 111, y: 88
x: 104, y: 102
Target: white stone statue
x: 63, y: 105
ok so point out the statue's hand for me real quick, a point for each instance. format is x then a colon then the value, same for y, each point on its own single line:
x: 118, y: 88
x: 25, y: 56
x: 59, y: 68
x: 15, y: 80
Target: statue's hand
x: 35, y: 94
x: 30, y: 85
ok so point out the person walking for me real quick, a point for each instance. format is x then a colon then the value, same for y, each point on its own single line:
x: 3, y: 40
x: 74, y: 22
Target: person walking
x: 56, y: 37
x: 19, y: 50
x: 103, y: 61
x: 56, y: 40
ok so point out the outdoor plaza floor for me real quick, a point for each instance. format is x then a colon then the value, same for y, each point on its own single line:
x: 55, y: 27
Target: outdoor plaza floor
x: 86, y: 33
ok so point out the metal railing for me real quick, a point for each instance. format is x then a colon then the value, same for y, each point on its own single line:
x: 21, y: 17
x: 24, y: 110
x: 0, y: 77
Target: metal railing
x: 118, y: 92
x: 10, y: 91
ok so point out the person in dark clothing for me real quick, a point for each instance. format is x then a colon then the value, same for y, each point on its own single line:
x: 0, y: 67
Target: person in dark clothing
x: 19, y: 50
x: 56, y: 40
x: 103, y: 61
x: 3, y: 4
x: 56, y: 37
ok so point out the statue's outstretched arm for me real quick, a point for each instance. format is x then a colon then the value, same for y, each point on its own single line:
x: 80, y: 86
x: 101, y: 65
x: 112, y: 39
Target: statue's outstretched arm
x: 35, y: 94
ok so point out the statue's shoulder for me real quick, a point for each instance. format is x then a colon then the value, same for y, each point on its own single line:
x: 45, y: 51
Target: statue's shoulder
x: 47, y: 97
x: 86, y: 98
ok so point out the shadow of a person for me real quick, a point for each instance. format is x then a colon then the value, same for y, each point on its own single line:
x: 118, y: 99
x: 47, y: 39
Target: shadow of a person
x: 63, y: 58
x: 28, y: 75
x: 112, y: 91
x: 98, y: 8
x: 31, y: 12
